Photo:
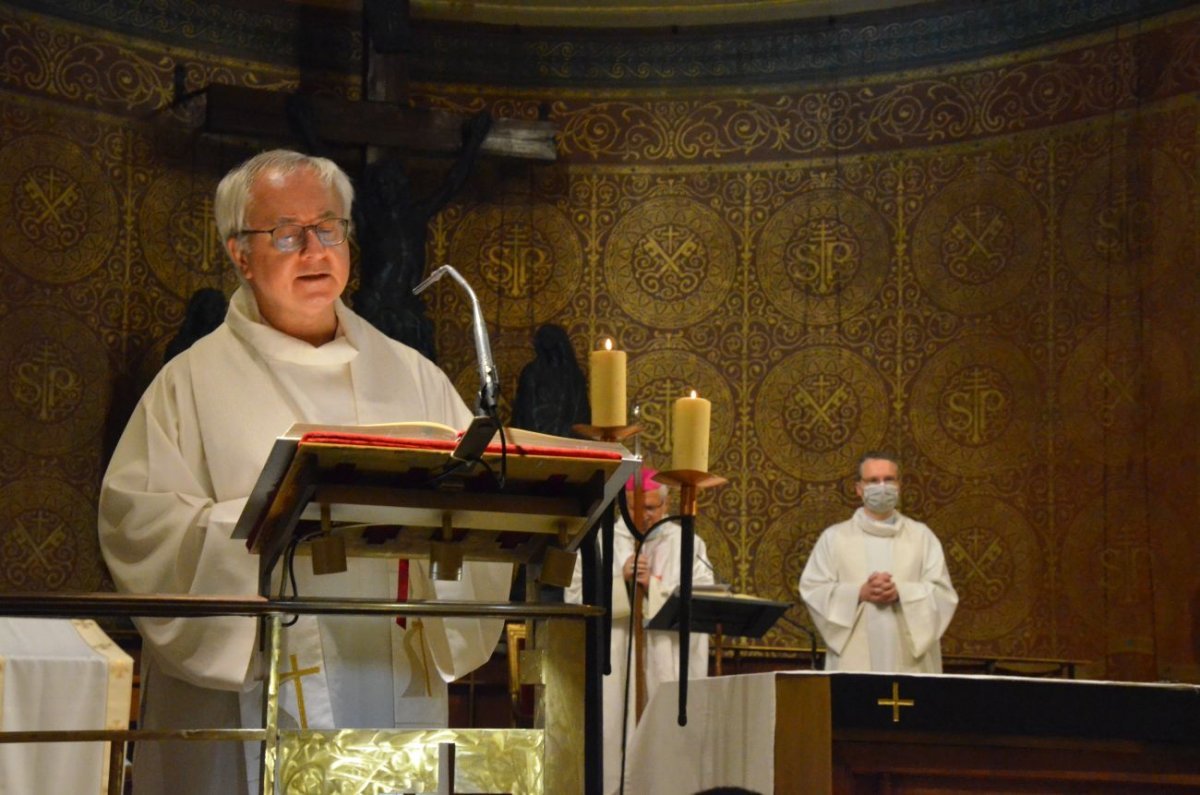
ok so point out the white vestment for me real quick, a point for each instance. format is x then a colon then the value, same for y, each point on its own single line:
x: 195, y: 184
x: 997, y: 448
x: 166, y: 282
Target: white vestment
x: 663, y: 551
x: 172, y: 494
x: 901, y: 637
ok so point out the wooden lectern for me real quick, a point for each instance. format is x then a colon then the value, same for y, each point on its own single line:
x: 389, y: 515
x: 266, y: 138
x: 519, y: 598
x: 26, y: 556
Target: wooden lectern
x: 399, y: 492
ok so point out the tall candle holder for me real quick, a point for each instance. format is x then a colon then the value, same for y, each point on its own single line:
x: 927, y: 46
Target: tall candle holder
x: 599, y: 642
x: 690, y: 483
x: 636, y: 623
x: 607, y: 433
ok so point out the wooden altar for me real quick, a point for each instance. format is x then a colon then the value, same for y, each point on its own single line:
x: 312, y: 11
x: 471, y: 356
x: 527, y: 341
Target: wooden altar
x: 804, y: 732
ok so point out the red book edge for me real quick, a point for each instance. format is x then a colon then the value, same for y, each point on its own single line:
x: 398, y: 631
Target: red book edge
x: 393, y: 442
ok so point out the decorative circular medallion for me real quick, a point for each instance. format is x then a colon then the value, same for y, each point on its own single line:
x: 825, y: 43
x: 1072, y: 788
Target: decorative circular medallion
x: 977, y: 243
x: 994, y: 565
x: 528, y: 261
x: 179, y: 236
x: 973, y: 405
x: 59, y: 209
x: 658, y: 379
x: 784, y: 550
x: 44, y: 521
x: 1107, y: 562
x: 823, y: 256
x: 55, y: 376
x: 1121, y: 223
x: 818, y: 410
x: 1121, y: 394
x: 669, y: 262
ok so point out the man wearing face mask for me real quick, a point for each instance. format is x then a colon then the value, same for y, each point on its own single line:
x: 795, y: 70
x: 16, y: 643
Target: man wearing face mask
x: 877, y: 586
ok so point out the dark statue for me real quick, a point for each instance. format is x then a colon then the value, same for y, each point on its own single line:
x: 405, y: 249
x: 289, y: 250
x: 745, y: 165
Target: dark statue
x: 205, y: 311
x: 391, y: 225
x: 552, y: 393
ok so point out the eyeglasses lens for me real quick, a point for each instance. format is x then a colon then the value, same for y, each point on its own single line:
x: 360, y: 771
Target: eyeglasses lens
x: 290, y: 237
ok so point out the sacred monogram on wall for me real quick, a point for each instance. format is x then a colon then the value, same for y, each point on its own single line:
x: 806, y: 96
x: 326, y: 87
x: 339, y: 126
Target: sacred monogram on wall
x: 528, y: 261
x: 179, y: 237
x: 42, y: 546
x: 667, y: 262
x: 993, y: 552
x: 60, y: 206
x: 977, y: 243
x: 823, y: 256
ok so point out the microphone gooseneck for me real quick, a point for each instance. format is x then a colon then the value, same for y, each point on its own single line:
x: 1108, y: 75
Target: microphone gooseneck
x: 489, y: 380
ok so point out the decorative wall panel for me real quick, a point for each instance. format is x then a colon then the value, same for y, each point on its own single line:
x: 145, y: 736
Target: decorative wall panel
x: 988, y: 266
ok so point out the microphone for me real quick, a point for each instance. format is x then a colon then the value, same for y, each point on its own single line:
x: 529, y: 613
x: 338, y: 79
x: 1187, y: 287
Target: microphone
x: 717, y: 578
x: 489, y: 381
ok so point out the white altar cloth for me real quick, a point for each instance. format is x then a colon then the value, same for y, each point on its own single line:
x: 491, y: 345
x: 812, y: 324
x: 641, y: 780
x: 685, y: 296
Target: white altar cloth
x: 59, y: 674
x: 729, y: 740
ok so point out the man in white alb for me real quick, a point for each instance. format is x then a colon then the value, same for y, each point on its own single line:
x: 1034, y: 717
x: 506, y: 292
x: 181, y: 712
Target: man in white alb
x: 289, y: 351
x: 877, y: 586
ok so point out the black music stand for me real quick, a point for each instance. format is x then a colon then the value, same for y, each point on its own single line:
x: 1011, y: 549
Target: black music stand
x: 721, y: 614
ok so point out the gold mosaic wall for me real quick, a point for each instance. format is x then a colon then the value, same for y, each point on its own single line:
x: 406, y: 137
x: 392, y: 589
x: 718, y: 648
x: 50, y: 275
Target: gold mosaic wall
x: 989, y: 268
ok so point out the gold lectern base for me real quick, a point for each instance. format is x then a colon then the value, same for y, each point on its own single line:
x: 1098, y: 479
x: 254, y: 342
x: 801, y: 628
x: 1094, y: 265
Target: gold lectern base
x: 373, y: 762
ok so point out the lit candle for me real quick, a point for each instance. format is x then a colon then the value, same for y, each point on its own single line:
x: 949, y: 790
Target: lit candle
x: 608, y: 387
x: 689, y: 433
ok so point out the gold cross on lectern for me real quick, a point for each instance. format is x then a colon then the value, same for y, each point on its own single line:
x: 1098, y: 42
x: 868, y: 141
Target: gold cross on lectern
x: 896, y: 702
x: 296, y: 673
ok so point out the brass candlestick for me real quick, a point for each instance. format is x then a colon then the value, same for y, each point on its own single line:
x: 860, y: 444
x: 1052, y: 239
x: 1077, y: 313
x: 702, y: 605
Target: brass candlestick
x: 690, y: 482
x: 607, y: 433
x: 617, y: 434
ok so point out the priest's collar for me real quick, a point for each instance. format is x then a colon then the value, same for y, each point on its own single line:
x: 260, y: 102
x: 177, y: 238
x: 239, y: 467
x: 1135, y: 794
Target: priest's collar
x: 247, y: 322
x: 885, y: 528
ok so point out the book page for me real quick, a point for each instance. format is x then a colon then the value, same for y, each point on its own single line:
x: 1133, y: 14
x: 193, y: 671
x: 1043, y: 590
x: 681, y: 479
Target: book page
x: 393, y: 430
x: 437, y: 431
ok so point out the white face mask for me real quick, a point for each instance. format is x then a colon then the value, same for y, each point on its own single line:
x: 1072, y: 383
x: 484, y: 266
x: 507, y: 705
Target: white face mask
x: 881, y: 498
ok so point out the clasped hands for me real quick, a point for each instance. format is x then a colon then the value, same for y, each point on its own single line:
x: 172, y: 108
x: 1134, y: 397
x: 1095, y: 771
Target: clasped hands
x: 878, y: 589
x: 643, y: 568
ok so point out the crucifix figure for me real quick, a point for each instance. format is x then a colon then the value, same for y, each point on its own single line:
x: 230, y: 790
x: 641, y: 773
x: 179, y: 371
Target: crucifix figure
x: 391, y: 224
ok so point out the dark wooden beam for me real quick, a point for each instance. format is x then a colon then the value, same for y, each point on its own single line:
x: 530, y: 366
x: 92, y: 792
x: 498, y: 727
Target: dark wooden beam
x: 233, y: 110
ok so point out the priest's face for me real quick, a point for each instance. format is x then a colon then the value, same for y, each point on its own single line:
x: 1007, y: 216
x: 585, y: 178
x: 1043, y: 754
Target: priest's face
x: 877, y: 477
x: 295, y: 290
x: 655, y: 506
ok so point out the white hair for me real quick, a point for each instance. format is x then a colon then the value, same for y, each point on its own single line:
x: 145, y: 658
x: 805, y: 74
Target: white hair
x: 233, y: 193
x: 663, y: 491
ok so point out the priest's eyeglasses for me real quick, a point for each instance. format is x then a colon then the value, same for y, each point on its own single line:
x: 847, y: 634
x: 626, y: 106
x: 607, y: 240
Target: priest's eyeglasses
x: 290, y: 237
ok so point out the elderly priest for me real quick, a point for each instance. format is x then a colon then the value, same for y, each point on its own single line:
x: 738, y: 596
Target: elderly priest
x: 289, y: 351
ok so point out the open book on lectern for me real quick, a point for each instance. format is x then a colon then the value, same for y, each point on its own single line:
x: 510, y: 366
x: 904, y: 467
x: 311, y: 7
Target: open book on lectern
x: 392, y: 490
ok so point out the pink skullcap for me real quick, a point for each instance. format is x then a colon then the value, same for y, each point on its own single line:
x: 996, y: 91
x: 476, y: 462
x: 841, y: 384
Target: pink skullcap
x: 648, y: 481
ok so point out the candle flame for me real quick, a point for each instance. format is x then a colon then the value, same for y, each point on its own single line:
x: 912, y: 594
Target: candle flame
x: 607, y: 344
x: 693, y: 393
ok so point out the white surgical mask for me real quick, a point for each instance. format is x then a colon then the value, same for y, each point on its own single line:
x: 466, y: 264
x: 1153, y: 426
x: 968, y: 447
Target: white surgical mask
x: 881, y: 498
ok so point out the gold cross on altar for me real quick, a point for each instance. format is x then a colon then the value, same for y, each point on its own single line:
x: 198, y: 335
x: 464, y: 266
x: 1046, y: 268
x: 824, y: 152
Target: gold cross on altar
x: 896, y: 702
x: 295, y: 673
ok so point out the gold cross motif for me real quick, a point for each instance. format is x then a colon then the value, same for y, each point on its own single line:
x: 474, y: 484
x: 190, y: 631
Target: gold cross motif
x: 295, y: 673
x: 896, y: 702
